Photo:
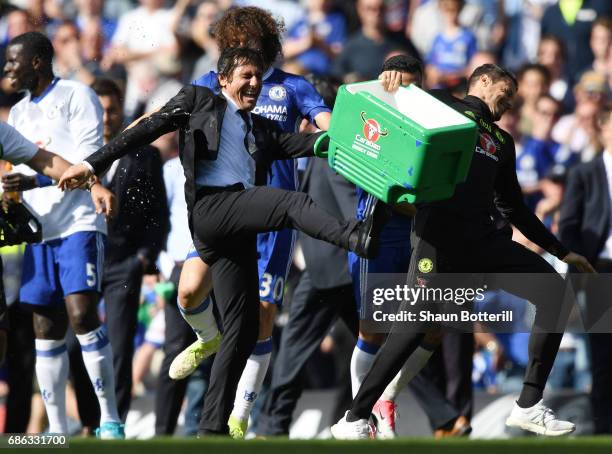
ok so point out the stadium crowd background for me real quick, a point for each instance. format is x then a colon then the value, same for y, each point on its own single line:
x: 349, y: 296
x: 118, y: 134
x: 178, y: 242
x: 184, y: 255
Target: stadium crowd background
x: 151, y: 48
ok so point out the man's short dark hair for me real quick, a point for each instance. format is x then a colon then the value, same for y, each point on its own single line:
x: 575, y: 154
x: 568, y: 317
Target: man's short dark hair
x: 232, y: 58
x: 107, y: 87
x: 495, y: 73
x: 35, y: 44
x: 404, y: 63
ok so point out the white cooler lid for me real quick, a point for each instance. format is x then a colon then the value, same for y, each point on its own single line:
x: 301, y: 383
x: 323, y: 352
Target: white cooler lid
x: 414, y: 103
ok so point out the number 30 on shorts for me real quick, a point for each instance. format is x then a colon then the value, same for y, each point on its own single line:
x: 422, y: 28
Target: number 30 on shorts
x: 268, y: 284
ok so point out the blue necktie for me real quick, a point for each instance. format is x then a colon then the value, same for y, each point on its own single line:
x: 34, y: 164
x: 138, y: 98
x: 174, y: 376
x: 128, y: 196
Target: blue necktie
x: 247, y: 122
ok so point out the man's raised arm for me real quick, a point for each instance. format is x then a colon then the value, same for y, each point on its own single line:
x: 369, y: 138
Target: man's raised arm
x: 171, y: 117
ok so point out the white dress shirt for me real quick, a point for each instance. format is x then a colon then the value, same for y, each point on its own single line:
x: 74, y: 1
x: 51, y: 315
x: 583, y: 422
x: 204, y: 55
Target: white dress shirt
x: 179, y: 238
x: 234, y: 164
x: 606, y: 253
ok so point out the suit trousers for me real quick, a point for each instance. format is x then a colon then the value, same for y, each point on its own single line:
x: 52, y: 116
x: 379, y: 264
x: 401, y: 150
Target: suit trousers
x: 121, y: 284
x: 226, y: 222
x: 450, y: 369
x: 170, y: 393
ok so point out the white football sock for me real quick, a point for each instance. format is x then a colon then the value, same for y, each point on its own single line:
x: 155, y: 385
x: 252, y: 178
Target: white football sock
x: 412, y: 366
x: 361, y: 361
x: 52, y: 376
x: 252, y: 378
x: 202, y: 320
x: 98, y: 359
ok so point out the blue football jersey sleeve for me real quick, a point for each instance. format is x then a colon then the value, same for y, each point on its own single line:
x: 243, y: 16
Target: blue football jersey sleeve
x: 208, y: 80
x: 309, y: 100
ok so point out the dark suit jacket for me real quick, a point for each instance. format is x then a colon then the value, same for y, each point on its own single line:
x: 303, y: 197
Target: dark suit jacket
x: 585, y: 211
x: 198, y: 115
x: 327, y: 264
x: 142, y: 222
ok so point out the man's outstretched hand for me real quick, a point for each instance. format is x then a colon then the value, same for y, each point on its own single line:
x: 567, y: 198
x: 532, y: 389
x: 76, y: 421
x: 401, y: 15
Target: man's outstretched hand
x: 74, y: 177
x: 579, y: 262
x: 78, y: 176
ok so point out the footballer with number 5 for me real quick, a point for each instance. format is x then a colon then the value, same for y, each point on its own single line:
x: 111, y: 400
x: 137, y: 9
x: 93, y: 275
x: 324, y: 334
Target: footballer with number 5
x: 16, y: 149
x: 64, y: 117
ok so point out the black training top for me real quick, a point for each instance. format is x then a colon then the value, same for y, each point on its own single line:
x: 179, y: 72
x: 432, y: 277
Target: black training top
x: 490, y: 188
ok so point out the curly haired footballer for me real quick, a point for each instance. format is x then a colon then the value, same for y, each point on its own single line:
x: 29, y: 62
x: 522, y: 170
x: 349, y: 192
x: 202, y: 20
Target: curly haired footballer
x: 251, y: 27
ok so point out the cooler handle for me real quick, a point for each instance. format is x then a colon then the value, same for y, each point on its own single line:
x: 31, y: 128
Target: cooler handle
x: 317, y: 152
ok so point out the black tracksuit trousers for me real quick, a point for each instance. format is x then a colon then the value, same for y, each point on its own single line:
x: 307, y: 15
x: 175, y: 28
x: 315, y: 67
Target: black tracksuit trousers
x: 494, y: 252
x: 226, y: 222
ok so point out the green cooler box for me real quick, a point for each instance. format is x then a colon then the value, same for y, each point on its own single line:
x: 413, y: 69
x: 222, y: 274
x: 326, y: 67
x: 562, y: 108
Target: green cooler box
x: 400, y: 147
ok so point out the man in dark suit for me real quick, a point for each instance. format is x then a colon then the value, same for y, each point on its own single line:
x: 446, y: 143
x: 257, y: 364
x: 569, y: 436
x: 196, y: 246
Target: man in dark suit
x: 225, y: 152
x: 585, y: 226
x: 135, y: 237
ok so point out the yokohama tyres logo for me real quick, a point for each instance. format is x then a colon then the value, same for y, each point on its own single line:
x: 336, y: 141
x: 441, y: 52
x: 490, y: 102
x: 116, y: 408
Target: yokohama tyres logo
x: 371, y: 129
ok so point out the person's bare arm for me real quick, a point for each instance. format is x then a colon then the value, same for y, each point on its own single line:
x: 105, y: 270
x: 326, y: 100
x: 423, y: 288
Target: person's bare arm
x: 322, y: 120
x: 48, y: 164
x: 54, y: 166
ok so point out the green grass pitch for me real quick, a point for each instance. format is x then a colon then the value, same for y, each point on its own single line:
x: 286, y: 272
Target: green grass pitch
x: 593, y: 445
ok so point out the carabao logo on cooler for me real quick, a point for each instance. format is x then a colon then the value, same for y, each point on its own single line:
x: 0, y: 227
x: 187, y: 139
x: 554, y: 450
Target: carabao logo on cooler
x: 371, y: 129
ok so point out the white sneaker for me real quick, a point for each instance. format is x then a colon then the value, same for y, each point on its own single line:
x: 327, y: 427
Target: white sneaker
x: 539, y: 419
x: 357, y: 430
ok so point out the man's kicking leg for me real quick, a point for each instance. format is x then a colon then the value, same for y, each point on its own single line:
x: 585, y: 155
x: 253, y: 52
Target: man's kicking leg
x: 292, y: 209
